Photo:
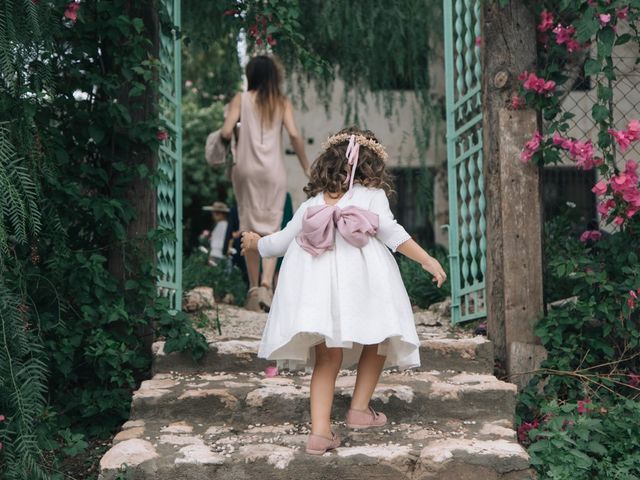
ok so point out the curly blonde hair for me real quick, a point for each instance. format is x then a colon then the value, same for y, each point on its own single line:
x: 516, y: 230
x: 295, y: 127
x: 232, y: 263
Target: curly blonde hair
x: 330, y: 171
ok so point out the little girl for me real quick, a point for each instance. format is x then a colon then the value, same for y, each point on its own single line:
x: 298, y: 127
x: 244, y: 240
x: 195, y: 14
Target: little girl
x: 340, y: 298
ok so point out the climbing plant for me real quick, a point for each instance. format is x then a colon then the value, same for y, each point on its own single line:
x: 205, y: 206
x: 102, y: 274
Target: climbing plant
x: 78, y: 303
x: 568, y: 412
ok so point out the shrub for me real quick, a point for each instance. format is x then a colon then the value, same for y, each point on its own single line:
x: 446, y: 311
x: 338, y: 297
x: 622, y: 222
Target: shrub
x: 420, y: 287
x: 224, y: 280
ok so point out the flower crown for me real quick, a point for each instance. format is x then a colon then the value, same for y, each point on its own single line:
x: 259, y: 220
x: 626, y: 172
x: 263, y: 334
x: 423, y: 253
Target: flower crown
x: 370, y: 143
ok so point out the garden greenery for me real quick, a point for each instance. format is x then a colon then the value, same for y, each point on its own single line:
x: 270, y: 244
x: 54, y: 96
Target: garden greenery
x: 579, y: 410
x: 78, y: 303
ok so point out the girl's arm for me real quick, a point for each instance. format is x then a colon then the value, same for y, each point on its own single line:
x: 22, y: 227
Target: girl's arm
x: 394, y: 236
x: 232, y: 117
x: 294, y: 136
x: 276, y: 244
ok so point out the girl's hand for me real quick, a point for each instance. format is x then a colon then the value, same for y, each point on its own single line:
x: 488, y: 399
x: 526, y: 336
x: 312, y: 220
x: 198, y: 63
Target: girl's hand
x: 249, y: 242
x: 434, y: 268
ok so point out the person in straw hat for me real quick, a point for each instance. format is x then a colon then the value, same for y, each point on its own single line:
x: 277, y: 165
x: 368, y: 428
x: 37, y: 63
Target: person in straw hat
x: 217, y: 251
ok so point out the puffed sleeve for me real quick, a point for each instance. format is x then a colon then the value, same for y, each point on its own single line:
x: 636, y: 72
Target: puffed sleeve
x: 276, y: 244
x: 390, y: 232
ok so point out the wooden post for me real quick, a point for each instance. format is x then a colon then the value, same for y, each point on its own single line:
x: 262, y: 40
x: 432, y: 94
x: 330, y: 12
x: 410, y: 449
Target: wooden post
x: 514, y: 220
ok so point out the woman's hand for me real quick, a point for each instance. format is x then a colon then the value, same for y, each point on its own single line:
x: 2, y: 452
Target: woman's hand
x: 434, y: 268
x: 249, y: 242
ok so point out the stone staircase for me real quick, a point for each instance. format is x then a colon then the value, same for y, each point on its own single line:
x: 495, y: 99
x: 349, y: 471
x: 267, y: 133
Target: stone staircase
x: 224, y: 419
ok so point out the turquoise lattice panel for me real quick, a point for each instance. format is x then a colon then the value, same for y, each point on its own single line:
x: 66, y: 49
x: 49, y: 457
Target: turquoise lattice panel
x: 169, y: 189
x: 467, y: 226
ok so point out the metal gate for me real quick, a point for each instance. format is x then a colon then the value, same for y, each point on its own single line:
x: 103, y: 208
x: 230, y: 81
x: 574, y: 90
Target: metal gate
x: 467, y: 226
x: 169, y: 189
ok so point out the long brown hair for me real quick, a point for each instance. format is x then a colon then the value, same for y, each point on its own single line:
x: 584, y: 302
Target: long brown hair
x: 264, y: 76
x: 329, y: 172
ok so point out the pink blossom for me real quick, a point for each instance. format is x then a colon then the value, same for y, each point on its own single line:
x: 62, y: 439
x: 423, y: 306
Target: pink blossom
x: 600, y: 188
x: 604, y: 208
x: 633, y: 129
x: 271, y: 372
x: 525, y: 428
x: 623, y: 13
x: 478, y: 41
x: 573, y: 45
x: 583, y: 405
x: 622, y: 138
x: 162, y: 135
x: 531, y: 147
x: 618, y: 220
x: 517, y: 102
x: 2, y: 418
x: 71, y: 11
x: 546, y: 21
x: 271, y: 41
x: 563, y: 34
x: 536, y: 84
x: 592, y: 3
x: 590, y: 236
x: 605, y: 18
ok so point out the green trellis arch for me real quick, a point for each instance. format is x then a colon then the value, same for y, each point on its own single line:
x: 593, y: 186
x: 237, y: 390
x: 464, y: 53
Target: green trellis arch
x: 169, y: 188
x: 467, y: 225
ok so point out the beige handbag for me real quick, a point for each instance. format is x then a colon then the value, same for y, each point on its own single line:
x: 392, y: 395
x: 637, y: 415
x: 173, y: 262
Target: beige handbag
x: 219, y: 152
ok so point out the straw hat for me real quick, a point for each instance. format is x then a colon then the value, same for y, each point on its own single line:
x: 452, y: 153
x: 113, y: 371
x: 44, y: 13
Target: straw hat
x: 217, y: 207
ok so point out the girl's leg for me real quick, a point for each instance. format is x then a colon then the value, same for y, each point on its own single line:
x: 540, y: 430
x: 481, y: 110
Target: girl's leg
x: 369, y: 370
x: 253, y: 267
x: 323, y: 383
x: 268, y: 270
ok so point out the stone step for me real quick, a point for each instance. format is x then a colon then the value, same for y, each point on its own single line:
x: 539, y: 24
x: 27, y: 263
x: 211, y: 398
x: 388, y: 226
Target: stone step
x: 181, y: 449
x: 244, y: 398
x: 437, y: 352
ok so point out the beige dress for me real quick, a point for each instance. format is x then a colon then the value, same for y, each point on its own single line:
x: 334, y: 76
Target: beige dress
x: 259, y: 177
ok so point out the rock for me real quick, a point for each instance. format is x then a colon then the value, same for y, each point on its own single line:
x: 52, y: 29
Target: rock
x: 128, y: 434
x: 199, y: 454
x: 427, y: 318
x: 442, y: 309
x: 130, y: 452
x: 200, y: 298
x: 229, y: 299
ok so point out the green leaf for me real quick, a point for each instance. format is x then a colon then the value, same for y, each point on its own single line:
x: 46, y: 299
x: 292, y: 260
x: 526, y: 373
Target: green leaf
x: 96, y: 133
x: 606, y: 38
x: 600, y: 113
x: 605, y: 93
x: 592, y: 67
x: 586, y: 26
x: 624, y: 38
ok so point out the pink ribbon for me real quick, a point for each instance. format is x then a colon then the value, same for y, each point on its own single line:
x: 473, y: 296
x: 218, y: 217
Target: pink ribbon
x: 319, y: 224
x: 353, y: 153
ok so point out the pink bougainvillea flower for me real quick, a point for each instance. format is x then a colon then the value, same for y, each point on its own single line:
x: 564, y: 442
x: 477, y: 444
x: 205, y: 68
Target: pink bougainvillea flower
x: 634, y: 379
x: 583, y: 405
x: 531, y: 147
x: 600, y: 188
x: 271, y: 372
x: 536, y: 84
x: 2, y: 418
x: 604, y: 18
x: 546, y: 21
x: 633, y: 129
x: 604, y: 208
x: 525, y: 428
x: 563, y: 34
x: 622, y: 138
x: 517, y: 102
x: 71, y: 11
x: 623, y: 13
x: 271, y: 41
x: 162, y: 135
x: 618, y: 220
x: 590, y: 236
x: 573, y: 45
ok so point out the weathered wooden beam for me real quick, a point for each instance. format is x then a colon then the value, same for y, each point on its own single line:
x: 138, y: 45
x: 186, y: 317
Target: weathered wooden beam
x: 514, y: 221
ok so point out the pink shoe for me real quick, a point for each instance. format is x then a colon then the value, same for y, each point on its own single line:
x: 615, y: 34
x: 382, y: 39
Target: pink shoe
x: 365, y: 418
x: 318, y: 445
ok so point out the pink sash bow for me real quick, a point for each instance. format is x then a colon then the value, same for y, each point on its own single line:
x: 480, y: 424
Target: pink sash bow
x: 319, y: 223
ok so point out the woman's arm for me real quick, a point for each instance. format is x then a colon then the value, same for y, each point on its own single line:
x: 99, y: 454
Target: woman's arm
x: 232, y: 117
x: 294, y: 136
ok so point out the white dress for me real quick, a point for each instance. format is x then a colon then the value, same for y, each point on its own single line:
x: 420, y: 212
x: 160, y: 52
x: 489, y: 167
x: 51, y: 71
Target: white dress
x: 346, y: 297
